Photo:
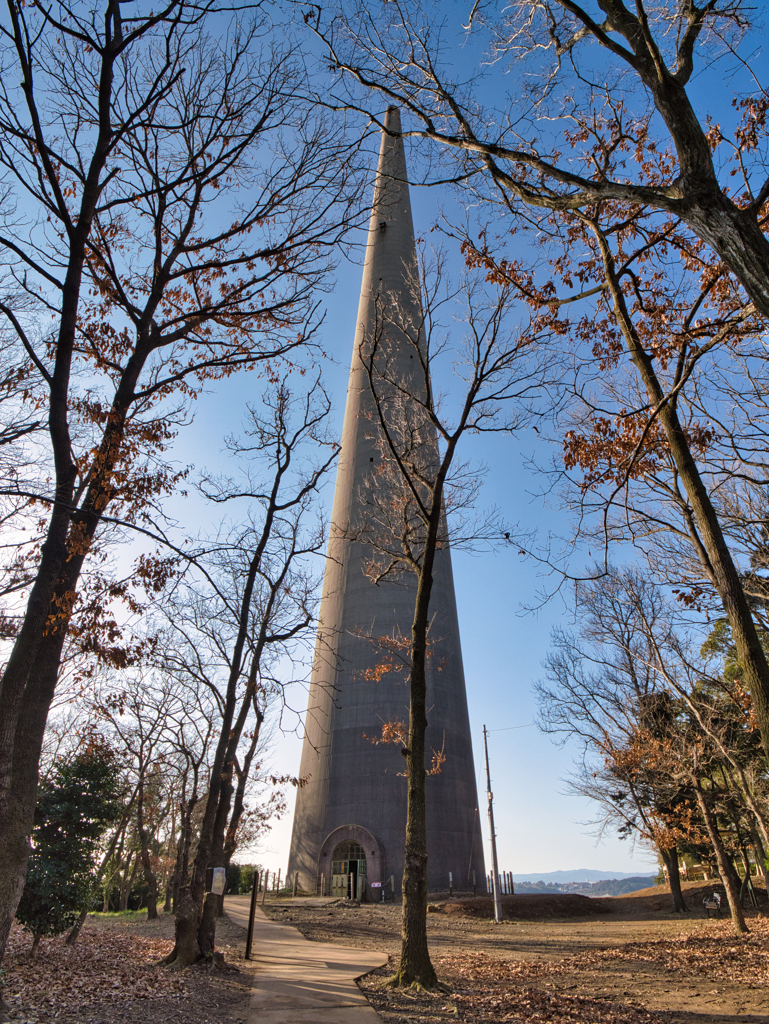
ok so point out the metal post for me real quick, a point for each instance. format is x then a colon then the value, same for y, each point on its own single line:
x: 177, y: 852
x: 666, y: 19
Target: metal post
x: 264, y: 886
x: 494, y: 867
x: 252, y: 911
x: 451, y: 884
x: 475, y: 889
x: 296, y: 882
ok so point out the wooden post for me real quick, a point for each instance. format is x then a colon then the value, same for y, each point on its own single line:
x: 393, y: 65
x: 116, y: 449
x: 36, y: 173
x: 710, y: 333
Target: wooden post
x: 264, y: 886
x: 252, y: 911
x: 323, y: 884
x: 296, y: 882
x: 277, y: 893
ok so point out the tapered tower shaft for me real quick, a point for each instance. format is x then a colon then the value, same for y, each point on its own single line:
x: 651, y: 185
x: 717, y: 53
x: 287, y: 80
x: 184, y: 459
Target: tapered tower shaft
x: 350, y: 816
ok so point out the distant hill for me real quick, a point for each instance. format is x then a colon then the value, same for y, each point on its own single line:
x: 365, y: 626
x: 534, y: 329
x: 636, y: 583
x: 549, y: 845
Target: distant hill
x: 580, y: 875
x: 603, y: 887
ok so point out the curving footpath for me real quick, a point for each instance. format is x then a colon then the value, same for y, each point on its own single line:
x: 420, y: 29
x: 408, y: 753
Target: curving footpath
x: 303, y: 982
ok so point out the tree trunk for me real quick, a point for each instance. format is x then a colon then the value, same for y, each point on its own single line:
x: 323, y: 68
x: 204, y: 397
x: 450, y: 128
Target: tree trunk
x: 716, y: 557
x: 77, y: 927
x: 670, y: 857
x: 127, y: 883
x: 149, y: 875
x: 186, y: 950
x: 21, y: 735
x: 416, y: 967
x: 217, y: 857
x: 35, y: 943
x: 760, y: 852
x: 213, y: 826
x: 18, y: 788
x: 213, y: 908
x: 725, y: 869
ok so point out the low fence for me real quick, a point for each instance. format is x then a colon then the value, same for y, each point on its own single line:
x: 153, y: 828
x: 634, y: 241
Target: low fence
x: 506, y: 885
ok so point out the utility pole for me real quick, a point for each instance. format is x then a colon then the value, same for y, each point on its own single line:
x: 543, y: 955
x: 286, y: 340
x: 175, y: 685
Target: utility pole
x: 494, y: 867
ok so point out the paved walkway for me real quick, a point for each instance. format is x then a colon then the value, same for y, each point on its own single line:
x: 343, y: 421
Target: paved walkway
x: 303, y: 982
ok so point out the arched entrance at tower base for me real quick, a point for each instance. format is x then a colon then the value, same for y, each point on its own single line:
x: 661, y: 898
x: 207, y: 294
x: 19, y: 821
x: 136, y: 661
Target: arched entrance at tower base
x: 372, y: 849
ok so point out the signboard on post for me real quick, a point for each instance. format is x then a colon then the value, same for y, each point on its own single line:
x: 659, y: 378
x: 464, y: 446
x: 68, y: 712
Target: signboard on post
x: 216, y: 881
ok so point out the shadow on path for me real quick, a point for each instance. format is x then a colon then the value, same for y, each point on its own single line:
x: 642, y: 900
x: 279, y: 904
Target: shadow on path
x: 303, y: 982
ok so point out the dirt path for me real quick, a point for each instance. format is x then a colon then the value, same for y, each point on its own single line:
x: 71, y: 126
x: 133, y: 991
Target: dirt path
x: 634, y: 964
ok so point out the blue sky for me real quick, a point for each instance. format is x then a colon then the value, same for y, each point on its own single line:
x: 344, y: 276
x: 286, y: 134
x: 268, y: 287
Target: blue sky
x: 541, y: 827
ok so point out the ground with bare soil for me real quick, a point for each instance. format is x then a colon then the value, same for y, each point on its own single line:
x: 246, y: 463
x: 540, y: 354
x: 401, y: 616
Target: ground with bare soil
x: 110, y: 977
x: 631, y: 961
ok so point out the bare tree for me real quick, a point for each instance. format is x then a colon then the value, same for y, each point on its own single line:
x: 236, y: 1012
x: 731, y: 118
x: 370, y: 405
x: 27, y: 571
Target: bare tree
x: 419, y: 482
x: 251, y: 606
x: 652, y: 732
x: 123, y: 136
x: 647, y: 55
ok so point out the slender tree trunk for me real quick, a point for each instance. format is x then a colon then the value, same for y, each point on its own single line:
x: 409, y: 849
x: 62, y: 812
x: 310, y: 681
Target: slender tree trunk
x: 670, y: 857
x: 77, y: 927
x: 149, y: 875
x: 760, y: 852
x: 239, y: 799
x: 710, y: 543
x: 187, y: 947
x: 725, y: 869
x: 127, y: 883
x: 416, y: 967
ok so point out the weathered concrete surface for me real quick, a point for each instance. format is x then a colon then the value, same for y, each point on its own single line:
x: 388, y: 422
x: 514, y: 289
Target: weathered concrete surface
x: 356, y: 789
x: 303, y: 982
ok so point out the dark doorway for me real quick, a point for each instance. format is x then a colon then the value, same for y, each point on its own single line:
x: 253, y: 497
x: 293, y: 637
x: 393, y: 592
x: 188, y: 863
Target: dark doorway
x: 348, y: 870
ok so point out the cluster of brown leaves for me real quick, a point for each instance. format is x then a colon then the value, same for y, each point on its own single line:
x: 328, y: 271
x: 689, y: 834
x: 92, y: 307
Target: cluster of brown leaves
x: 103, y: 966
x: 486, y: 988
x: 714, y: 952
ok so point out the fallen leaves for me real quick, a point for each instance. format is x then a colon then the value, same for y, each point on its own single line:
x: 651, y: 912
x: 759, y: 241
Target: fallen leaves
x: 111, y: 976
x: 482, y: 992
x: 714, y: 952
x: 505, y: 990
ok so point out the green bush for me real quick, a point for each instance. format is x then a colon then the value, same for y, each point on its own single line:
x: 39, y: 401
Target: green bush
x: 232, y: 888
x: 247, y: 877
x: 74, y: 808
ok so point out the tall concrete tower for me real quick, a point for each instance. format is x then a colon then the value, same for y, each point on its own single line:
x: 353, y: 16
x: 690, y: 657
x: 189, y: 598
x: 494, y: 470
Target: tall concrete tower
x: 350, y: 820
